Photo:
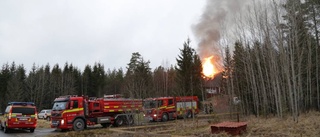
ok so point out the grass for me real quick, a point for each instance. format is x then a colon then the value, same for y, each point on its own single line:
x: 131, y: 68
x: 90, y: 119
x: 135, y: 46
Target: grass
x: 307, y: 126
x: 43, y: 123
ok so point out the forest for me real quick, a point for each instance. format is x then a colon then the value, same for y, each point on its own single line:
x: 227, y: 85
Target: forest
x: 273, y: 67
x: 43, y: 84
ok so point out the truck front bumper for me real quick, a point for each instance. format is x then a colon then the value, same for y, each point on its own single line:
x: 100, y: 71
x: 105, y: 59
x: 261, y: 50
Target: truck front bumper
x: 59, y: 123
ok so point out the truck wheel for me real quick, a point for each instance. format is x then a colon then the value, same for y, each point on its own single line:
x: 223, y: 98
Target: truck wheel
x: 105, y: 125
x: 164, y: 117
x: 31, y: 130
x: 118, y: 122
x: 78, y: 125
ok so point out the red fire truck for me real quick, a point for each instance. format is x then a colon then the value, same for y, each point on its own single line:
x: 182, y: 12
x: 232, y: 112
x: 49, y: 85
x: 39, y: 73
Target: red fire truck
x: 78, y: 112
x: 166, y: 108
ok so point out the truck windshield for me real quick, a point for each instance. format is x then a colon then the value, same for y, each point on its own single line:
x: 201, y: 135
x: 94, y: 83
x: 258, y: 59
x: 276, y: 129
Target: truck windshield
x: 152, y: 103
x: 59, y: 105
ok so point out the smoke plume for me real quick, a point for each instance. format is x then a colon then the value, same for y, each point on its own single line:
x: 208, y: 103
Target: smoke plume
x: 208, y: 29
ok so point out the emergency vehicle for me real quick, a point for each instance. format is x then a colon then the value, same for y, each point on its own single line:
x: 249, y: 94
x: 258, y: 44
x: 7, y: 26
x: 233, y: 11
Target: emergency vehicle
x: 166, y: 108
x: 19, y: 115
x: 78, y: 112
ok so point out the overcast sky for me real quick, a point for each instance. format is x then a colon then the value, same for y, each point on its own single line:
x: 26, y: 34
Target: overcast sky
x: 83, y: 32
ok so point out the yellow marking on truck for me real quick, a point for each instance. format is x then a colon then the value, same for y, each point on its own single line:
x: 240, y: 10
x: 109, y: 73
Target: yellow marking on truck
x: 124, y: 106
x: 171, y: 107
x: 72, y: 110
x: 116, y: 107
x: 120, y: 110
x: 163, y: 107
x: 106, y: 106
x: 111, y: 110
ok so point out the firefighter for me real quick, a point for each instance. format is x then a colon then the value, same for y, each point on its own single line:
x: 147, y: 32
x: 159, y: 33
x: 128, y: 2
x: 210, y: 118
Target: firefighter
x: 206, y: 108
x: 211, y: 108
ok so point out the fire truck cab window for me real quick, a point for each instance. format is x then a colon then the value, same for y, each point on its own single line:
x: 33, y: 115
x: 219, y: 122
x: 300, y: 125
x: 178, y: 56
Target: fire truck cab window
x: 170, y: 102
x: 152, y: 103
x: 59, y: 105
x: 75, y: 104
x: 160, y: 102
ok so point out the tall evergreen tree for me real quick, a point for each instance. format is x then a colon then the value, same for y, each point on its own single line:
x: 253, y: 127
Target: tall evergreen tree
x: 5, y: 76
x: 99, y: 82
x: 16, y: 84
x: 114, y: 80
x: 138, y: 78
x: 87, y: 82
x: 189, y: 71
x: 56, y: 81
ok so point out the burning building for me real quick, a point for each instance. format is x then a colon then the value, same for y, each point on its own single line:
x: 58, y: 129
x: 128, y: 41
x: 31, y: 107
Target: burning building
x: 212, y: 86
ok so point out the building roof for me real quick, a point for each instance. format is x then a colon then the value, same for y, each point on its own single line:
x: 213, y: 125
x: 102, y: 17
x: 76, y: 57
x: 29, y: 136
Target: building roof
x: 215, y: 82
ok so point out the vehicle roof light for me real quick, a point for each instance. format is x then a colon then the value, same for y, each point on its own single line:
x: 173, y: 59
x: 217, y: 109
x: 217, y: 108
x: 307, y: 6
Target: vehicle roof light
x: 21, y: 103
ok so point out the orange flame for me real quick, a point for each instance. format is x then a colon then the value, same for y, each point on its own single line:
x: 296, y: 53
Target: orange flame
x: 208, y: 68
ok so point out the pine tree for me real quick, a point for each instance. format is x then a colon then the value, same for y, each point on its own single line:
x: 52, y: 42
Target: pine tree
x: 189, y: 71
x: 138, y: 78
x: 5, y: 76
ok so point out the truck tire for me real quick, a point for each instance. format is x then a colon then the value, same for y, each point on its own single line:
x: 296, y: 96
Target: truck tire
x: 48, y: 118
x: 78, y: 125
x: 118, y: 122
x: 31, y: 130
x: 164, y: 117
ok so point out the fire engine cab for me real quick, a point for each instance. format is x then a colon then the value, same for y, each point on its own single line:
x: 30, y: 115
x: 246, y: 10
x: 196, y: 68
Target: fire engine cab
x: 78, y: 112
x: 166, y: 108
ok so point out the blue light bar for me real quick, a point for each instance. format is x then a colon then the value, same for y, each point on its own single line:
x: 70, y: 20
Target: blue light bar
x: 21, y: 103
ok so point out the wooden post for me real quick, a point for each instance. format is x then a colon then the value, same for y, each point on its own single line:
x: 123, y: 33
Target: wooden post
x: 238, y: 117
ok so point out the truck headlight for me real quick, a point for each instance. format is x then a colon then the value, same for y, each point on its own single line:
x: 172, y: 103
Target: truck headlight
x: 62, y: 121
x: 155, y: 115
